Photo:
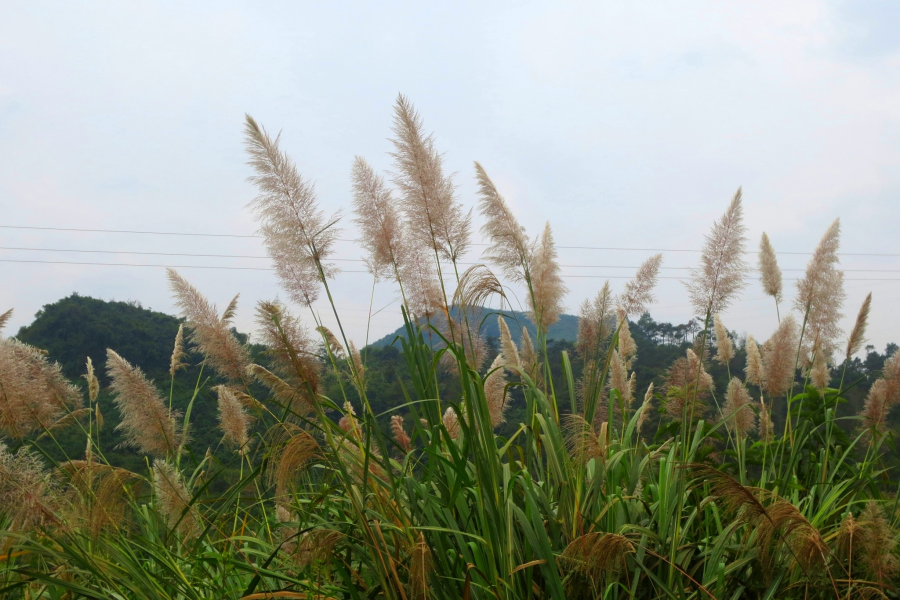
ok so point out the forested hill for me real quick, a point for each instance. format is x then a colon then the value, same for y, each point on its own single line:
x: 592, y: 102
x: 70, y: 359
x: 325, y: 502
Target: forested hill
x: 564, y: 329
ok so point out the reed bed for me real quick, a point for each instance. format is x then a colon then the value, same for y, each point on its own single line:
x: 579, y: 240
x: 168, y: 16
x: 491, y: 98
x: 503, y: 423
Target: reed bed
x: 583, y: 500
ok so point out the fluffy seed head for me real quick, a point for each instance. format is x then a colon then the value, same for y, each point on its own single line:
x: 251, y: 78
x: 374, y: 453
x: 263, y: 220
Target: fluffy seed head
x: 331, y: 342
x: 508, y: 349
x: 233, y: 419
x: 779, y: 357
x: 645, y: 408
x: 877, y: 544
x: 627, y: 345
x: 209, y: 332
x: 724, y: 347
x: 593, y: 323
x: 378, y: 219
x: 34, y: 394
x: 146, y: 423
x: 547, y: 284
x: 173, y: 498
x: 509, y: 248
x: 4, y: 318
x: 434, y: 216
x: 754, y: 370
x: 766, y: 427
x: 420, y: 569
x: 877, y: 406
x: 819, y: 374
x: 93, y: 384
x: 769, y: 272
x: 399, y: 433
x: 720, y: 276
x: 28, y: 494
x: 529, y: 358
x: 740, y: 416
x: 476, y: 286
x: 293, y: 350
x: 495, y: 391
x: 687, y: 386
x: 451, y: 423
x: 820, y: 293
x: 858, y: 334
x: 618, y: 378
x: 177, y: 361
x: 638, y: 293
x: 298, y: 235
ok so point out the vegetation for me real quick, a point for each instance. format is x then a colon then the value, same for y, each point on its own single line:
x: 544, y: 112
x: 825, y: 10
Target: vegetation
x: 742, y: 474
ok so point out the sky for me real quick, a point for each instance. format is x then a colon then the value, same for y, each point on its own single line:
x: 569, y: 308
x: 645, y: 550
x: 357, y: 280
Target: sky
x: 626, y: 125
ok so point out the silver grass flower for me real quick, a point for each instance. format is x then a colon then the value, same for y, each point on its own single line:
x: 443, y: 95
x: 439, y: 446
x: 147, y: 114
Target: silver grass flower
x: 358, y: 370
x: 645, y: 408
x: 146, y: 423
x: 638, y: 293
x: 34, y: 394
x: 495, y: 391
x: 508, y: 349
x: 424, y: 296
x: 548, y: 289
x: 766, y: 426
x: 298, y: 235
x: 399, y: 433
x: 528, y: 358
x: 177, y: 362
x: 779, y: 357
x: 223, y: 352
x: 293, y: 351
x: 858, y: 334
x: 687, y: 386
x: 173, y: 498
x: 509, y: 248
x: 627, y: 345
x: 91, y: 378
x: 820, y: 293
x: 434, y: 216
x: 29, y: 496
x: 4, y: 318
x: 233, y: 419
x: 378, y: 218
x: 593, y: 323
x: 738, y: 413
x: 819, y: 374
x: 618, y: 378
x: 769, y: 272
x: 724, y: 346
x: 720, y: 277
x: 754, y: 371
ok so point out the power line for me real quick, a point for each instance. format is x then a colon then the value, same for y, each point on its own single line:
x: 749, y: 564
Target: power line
x: 106, y: 264
x: 252, y: 256
x: 230, y: 235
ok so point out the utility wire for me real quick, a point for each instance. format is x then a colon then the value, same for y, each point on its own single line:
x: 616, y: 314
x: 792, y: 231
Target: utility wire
x: 360, y: 260
x: 230, y: 235
x: 106, y: 264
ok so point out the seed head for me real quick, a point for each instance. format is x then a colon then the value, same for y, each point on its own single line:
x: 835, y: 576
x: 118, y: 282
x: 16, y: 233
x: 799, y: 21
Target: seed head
x: 769, y: 273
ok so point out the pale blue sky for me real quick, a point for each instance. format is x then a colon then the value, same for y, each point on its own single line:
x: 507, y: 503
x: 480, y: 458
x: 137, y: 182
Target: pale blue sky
x: 624, y: 124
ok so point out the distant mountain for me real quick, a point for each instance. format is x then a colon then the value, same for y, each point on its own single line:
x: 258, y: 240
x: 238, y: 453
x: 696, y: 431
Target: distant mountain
x: 565, y: 329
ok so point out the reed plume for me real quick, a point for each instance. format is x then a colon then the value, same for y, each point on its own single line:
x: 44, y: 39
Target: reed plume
x: 819, y: 373
x: 877, y: 406
x: 146, y: 423
x: 421, y: 286
x: 877, y: 544
x: 298, y: 236
x: 293, y: 351
x: 378, y: 219
x: 399, y: 433
x: 769, y: 272
x: 754, y: 372
x: 451, y: 423
x: 209, y: 332
x: 358, y: 372
x: 637, y: 296
x: 332, y: 345
x: 618, y: 378
x: 779, y: 357
x: 645, y: 409
x: 419, y: 569
x: 820, y: 293
x: 582, y: 441
x: 34, y: 394
x: 233, y: 420
x: 687, y: 382
x: 858, y: 334
x: 738, y: 413
x: 293, y: 450
x: 508, y: 349
x: 509, y: 247
x: 528, y: 358
x: 4, y: 318
x: 724, y: 347
x: 174, y: 500
x: 627, y: 345
x: 598, y: 555
x: 891, y: 374
x: 179, y: 356
x: 434, y: 216
x: 720, y: 277
x: 296, y: 398
x: 593, y: 323
x: 548, y: 289
x: 91, y: 378
x: 495, y: 391
x: 98, y: 494
x: 29, y: 496
x: 473, y: 343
